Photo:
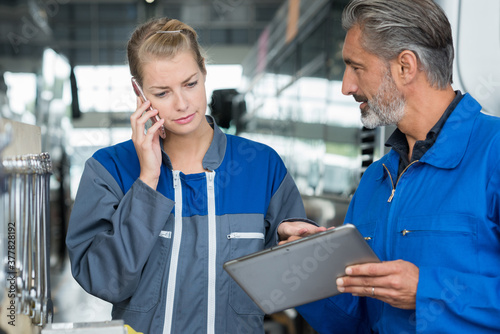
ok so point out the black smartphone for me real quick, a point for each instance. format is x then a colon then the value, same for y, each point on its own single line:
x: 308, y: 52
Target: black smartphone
x: 138, y: 91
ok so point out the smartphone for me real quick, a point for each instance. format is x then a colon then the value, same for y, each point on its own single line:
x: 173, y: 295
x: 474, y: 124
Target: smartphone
x: 138, y: 91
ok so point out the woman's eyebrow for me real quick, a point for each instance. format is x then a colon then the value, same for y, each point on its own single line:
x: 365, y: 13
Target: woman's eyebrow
x: 184, y: 82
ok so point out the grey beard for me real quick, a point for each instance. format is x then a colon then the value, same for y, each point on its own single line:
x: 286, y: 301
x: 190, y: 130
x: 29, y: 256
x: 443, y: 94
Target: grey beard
x: 387, y: 106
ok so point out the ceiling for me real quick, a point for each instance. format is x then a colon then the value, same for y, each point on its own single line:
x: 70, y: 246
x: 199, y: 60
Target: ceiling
x: 95, y: 32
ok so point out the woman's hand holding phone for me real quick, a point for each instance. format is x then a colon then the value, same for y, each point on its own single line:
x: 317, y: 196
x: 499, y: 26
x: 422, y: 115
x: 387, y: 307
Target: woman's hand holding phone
x: 138, y: 91
x: 147, y: 144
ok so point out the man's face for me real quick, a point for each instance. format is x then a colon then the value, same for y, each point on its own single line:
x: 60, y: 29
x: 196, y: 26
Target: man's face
x: 369, y: 80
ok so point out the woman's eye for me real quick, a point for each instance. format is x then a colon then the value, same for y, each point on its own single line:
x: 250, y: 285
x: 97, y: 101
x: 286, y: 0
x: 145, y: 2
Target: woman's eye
x: 192, y: 84
x: 162, y: 94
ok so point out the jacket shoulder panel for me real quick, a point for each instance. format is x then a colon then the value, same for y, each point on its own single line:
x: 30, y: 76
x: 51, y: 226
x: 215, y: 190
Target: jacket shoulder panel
x: 121, y: 162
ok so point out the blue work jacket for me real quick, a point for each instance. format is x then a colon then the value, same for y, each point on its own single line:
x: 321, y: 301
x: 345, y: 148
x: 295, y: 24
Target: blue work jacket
x: 442, y: 214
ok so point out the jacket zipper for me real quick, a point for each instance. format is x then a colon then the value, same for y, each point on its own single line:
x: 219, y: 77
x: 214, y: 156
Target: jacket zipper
x: 405, y: 232
x: 397, y: 181
x: 212, y: 253
x: 174, y: 258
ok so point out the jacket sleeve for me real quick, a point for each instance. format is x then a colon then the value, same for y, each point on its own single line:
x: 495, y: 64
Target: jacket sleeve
x: 111, y: 234
x: 285, y: 203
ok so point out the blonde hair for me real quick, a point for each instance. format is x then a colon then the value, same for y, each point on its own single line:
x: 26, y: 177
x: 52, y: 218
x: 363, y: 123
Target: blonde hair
x: 162, y: 38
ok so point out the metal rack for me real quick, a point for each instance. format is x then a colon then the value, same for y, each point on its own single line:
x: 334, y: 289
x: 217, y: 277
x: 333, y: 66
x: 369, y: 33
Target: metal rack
x: 25, y: 297
x: 26, y: 235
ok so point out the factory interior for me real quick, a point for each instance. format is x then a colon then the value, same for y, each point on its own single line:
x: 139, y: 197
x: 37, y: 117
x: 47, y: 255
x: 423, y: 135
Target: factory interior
x: 274, y: 76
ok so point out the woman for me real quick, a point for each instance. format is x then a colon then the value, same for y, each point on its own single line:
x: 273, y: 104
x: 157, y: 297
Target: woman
x: 155, y: 219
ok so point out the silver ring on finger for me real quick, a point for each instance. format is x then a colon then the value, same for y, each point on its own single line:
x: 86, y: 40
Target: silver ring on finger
x: 373, y: 291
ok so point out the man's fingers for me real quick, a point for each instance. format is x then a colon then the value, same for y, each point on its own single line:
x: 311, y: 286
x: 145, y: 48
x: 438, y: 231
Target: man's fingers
x: 370, y: 269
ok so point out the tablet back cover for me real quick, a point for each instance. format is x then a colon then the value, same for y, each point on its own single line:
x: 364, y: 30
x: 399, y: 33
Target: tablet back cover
x: 301, y: 271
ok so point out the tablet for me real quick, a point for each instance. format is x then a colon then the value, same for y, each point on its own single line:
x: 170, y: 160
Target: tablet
x: 301, y: 271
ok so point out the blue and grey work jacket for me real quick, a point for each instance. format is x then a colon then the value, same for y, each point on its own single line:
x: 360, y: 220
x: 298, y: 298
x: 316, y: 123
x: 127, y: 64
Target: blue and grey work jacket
x: 157, y: 256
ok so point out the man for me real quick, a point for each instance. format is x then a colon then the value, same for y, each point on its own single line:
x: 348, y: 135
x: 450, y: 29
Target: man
x: 430, y: 207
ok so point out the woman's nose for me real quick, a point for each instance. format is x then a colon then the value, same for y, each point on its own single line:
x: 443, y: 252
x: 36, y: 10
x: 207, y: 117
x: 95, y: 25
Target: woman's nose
x: 180, y: 102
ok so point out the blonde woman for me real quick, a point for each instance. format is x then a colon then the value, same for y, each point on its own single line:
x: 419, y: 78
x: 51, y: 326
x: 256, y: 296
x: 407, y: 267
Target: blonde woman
x: 155, y: 218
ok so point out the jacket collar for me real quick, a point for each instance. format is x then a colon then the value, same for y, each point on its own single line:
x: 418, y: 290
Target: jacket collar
x: 215, y: 153
x: 451, y: 144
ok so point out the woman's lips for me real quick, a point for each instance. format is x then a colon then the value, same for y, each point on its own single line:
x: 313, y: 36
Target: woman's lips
x: 184, y: 120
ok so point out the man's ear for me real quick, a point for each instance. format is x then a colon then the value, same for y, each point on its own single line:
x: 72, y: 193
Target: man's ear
x: 407, y: 63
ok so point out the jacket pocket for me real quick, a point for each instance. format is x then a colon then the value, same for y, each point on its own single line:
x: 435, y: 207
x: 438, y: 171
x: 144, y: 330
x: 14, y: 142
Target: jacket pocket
x: 448, y: 240
x: 148, y: 292
x: 246, y: 235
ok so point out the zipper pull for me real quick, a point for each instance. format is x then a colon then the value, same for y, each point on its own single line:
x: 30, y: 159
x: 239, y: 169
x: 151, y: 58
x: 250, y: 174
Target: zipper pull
x: 176, y: 179
x: 392, y: 195
x: 211, y: 177
x: 405, y: 232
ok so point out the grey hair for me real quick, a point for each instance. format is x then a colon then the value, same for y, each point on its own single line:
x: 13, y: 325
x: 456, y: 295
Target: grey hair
x: 392, y: 26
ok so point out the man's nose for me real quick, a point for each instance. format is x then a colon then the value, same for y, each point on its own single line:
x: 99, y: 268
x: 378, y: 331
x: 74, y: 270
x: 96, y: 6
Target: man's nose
x: 349, y: 85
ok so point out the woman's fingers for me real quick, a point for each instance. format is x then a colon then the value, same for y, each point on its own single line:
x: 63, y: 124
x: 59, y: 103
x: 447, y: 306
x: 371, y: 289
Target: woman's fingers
x: 139, y: 118
x: 141, y: 108
x: 153, y: 131
x: 136, y: 115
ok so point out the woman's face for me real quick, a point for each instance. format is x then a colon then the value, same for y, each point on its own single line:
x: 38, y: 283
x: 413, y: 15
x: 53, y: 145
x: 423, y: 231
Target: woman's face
x: 176, y: 87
